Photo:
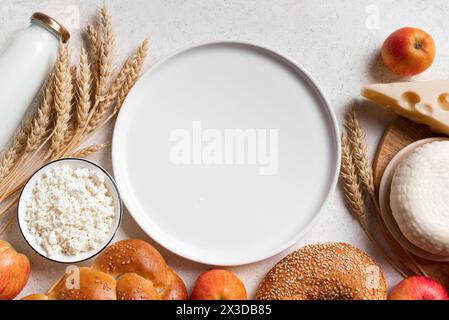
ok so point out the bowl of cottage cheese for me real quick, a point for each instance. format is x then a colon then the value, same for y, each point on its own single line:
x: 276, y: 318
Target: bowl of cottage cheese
x: 69, y: 210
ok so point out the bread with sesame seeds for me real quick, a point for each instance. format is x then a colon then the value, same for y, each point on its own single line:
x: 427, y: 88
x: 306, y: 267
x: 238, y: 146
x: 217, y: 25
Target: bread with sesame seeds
x: 141, y: 258
x: 131, y: 286
x: 80, y: 284
x: 329, y: 271
x: 84, y: 284
x: 126, y: 270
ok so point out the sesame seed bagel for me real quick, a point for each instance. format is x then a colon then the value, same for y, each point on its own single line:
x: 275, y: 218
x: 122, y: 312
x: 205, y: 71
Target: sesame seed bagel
x: 329, y: 271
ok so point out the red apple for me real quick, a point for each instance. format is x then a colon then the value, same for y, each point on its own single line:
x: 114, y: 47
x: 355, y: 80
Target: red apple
x: 218, y: 285
x: 408, y: 51
x: 14, y: 271
x: 419, y: 288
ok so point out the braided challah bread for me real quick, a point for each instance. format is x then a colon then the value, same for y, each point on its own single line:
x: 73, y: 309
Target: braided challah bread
x: 126, y: 270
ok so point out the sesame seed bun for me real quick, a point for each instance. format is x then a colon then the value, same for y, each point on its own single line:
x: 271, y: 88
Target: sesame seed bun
x: 330, y: 271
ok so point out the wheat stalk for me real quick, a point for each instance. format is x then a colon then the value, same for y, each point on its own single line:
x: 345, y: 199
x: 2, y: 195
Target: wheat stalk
x: 128, y: 78
x: 36, y: 134
x: 73, y: 118
x: 92, y: 36
x: 357, y: 140
x: 125, y: 81
x: 63, y: 100
x: 348, y: 174
x: 75, y: 82
x: 7, y: 207
x: 84, y: 91
x: 106, y: 48
x: 42, y: 119
x: 119, y: 81
x: 354, y: 197
x: 94, y: 44
x: 133, y: 73
x: 106, y: 54
x: 24, y: 167
x: 85, y: 152
x: 7, y: 225
x: 15, y: 150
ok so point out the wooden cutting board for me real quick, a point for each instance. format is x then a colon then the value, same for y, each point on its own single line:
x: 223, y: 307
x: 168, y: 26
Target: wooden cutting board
x: 398, y: 135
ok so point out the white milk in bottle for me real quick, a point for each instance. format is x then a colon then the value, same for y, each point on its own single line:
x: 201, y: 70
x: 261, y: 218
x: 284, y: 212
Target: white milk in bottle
x: 25, y: 62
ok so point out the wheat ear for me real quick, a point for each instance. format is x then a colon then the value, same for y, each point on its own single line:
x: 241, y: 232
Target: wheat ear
x: 357, y: 139
x: 84, y: 91
x: 133, y: 74
x: 106, y: 52
x: 14, y: 151
x: 128, y: 78
x: 106, y: 55
x: 93, y: 47
x: 73, y: 120
x: 351, y: 187
x: 62, y: 100
x: 36, y: 134
x: 92, y: 37
x: 119, y: 81
x: 94, y: 44
x: 125, y: 81
x: 85, y: 152
x: 42, y: 118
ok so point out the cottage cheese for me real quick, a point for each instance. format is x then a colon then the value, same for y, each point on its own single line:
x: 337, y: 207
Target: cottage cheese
x: 419, y: 197
x: 70, y: 211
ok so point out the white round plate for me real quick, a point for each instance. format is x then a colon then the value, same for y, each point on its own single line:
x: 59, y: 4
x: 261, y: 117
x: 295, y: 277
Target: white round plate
x: 384, y: 201
x: 192, y: 187
x: 27, y: 192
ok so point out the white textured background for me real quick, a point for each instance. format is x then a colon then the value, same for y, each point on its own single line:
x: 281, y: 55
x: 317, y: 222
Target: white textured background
x: 336, y: 41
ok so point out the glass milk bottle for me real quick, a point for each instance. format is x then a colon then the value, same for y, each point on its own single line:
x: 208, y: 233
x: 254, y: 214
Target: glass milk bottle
x: 25, y: 62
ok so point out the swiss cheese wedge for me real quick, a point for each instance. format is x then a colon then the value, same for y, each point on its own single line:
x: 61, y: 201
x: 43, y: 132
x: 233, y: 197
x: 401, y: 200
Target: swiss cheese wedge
x: 422, y: 102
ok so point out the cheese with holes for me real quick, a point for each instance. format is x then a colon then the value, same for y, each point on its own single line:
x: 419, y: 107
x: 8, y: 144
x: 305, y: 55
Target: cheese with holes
x: 422, y: 102
x: 419, y: 197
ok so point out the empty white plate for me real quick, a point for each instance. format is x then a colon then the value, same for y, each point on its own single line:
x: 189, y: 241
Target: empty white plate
x: 224, y: 153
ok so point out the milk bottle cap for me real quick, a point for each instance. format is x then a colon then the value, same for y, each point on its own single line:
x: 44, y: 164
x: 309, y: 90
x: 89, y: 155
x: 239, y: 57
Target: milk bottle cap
x: 52, y: 25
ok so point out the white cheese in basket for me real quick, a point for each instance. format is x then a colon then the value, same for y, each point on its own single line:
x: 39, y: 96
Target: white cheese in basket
x: 419, y: 197
x: 70, y: 210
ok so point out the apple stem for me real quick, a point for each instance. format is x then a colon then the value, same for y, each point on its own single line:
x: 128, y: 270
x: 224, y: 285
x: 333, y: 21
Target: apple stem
x: 418, y: 45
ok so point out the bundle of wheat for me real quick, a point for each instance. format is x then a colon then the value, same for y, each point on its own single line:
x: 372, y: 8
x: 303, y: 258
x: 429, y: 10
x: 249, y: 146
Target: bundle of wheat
x: 357, y: 181
x: 75, y: 102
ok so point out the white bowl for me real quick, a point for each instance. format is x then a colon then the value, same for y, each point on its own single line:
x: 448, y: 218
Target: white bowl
x: 384, y: 201
x: 27, y: 191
